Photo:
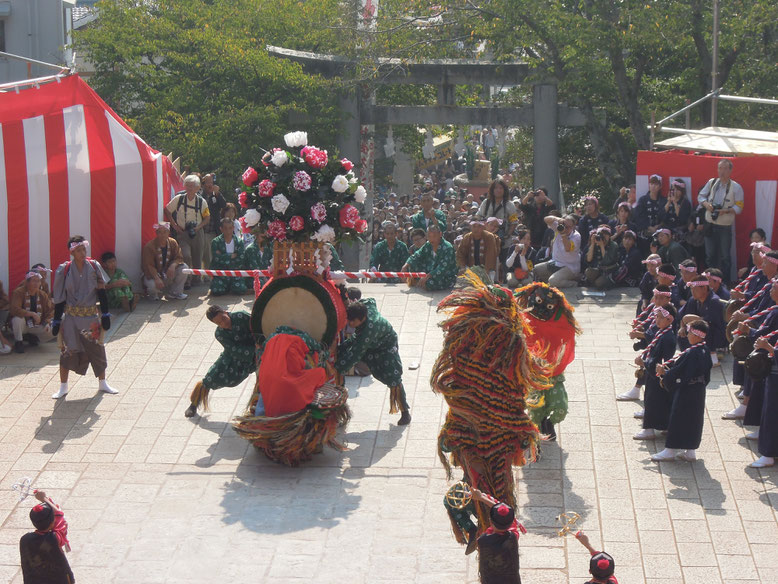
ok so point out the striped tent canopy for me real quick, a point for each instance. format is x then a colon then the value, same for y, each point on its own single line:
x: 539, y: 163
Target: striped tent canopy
x: 69, y: 165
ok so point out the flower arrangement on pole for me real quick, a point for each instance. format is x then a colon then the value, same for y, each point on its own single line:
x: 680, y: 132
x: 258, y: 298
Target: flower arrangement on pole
x: 301, y: 194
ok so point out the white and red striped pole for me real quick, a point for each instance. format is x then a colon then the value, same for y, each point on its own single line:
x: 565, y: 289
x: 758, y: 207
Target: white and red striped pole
x: 333, y: 275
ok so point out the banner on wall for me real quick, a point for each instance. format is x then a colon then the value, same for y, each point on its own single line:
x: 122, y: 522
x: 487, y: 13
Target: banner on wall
x: 758, y: 175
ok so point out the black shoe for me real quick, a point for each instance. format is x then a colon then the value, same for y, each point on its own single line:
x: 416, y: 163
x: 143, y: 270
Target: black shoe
x: 191, y: 411
x: 405, y: 419
x: 187, y: 286
x: 19, y: 347
x: 30, y: 339
x: 546, y: 427
x: 472, y: 541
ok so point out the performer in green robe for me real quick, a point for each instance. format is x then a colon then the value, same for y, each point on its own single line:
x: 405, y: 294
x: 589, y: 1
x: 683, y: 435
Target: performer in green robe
x: 336, y: 265
x: 428, y: 216
x: 437, y: 259
x: 389, y: 254
x: 227, y: 253
x: 237, y: 361
x: 375, y: 342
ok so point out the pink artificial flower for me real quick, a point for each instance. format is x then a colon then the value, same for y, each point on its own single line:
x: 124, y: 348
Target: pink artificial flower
x: 301, y: 181
x: 314, y: 157
x: 297, y: 223
x: 243, y: 199
x: 243, y: 227
x: 360, y: 225
x: 319, y: 212
x: 266, y: 188
x: 277, y: 230
x: 349, y: 215
x: 250, y: 177
x: 346, y: 164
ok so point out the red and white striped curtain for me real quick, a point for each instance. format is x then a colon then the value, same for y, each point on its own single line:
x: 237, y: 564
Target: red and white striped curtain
x: 70, y: 165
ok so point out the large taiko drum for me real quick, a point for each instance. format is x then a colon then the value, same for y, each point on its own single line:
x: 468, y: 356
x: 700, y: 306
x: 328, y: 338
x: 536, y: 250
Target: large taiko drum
x: 304, y: 302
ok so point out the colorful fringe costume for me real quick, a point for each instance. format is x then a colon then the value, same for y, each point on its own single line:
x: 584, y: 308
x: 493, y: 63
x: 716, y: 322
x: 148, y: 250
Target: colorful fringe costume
x: 485, y: 373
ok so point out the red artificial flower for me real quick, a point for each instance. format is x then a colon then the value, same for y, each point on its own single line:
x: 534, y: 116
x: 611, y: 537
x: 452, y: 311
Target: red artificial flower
x: 349, y: 215
x: 360, y: 226
x: 301, y: 181
x: 243, y: 227
x: 297, y: 223
x: 319, y: 212
x: 266, y: 188
x: 250, y: 177
x: 346, y: 164
x: 314, y: 157
x: 277, y: 230
x: 243, y: 199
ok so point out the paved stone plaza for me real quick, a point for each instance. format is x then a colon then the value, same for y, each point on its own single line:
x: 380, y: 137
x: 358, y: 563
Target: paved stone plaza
x: 154, y: 497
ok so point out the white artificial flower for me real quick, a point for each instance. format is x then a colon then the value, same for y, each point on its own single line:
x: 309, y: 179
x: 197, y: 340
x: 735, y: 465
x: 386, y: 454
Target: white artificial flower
x: 325, y: 234
x: 340, y: 184
x: 280, y: 203
x: 252, y: 217
x: 360, y: 194
x: 296, y: 139
x: 279, y: 158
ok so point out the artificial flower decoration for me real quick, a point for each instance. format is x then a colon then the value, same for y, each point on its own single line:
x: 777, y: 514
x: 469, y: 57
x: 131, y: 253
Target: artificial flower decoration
x: 266, y: 188
x: 252, y: 217
x: 325, y: 234
x: 280, y: 203
x: 296, y: 139
x: 296, y: 223
x: 301, y: 181
x: 250, y: 177
x: 279, y: 158
x: 349, y: 215
x: 319, y: 212
x: 346, y: 164
x: 277, y: 230
x: 243, y: 199
x: 340, y: 184
x: 314, y: 157
x: 360, y: 194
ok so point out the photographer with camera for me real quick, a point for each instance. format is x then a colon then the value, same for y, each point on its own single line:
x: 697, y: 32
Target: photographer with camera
x: 564, y: 268
x: 535, y: 207
x: 521, y: 261
x: 602, y: 258
x: 188, y: 215
x: 722, y: 199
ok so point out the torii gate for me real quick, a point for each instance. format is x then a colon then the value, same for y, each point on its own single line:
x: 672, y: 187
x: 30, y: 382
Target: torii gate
x: 545, y: 115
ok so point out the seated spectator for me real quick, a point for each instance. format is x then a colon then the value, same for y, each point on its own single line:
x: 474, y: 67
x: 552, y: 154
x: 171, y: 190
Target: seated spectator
x: 5, y: 346
x: 418, y: 238
x: 756, y: 236
x: 427, y: 216
x: 227, y: 253
x: 591, y: 220
x: 437, y: 259
x: 31, y: 313
x: 478, y: 248
x: 564, y: 268
x: 602, y: 259
x: 119, y: 287
x: 630, y: 269
x: 521, y: 260
x: 670, y: 250
x: 5, y: 306
x: 389, y: 254
x: 163, y: 265
x: 230, y: 211
x: 677, y: 210
x: 716, y: 277
x: 622, y: 222
x: 44, y: 272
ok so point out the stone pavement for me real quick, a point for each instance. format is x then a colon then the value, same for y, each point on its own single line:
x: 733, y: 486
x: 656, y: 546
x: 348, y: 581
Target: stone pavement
x: 153, y: 497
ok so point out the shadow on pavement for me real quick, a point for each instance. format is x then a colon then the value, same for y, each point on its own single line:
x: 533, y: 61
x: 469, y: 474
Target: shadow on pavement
x: 70, y: 420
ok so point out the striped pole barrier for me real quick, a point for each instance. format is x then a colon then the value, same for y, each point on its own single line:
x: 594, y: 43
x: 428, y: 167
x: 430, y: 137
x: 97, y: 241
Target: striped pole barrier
x: 333, y: 275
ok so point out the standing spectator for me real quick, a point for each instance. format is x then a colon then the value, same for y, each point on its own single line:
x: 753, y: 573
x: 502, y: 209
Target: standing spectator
x: 591, y: 220
x: 119, y: 287
x: 648, y: 212
x: 535, y: 207
x: 669, y: 250
x: 756, y: 236
x: 722, y: 199
x: 564, y: 268
x: 389, y: 254
x: 487, y: 141
x: 43, y: 551
x: 437, y: 259
x: 677, y: 210
x: 496, y: 204
x: 478, y: 248
x: 31, y: 313
x: 428, y: 216
x: 188, y: 215
x: 602, y: 259
x: 627, y: 195
x: 163, y: 265
x: 521, y: 260
x: 227, y: 253
x: 216, y: 205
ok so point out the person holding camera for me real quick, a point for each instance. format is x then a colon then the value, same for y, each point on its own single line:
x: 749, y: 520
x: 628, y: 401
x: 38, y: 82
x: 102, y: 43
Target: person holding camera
x: 188, y: 215
x: 216, y: 206
x: 591, y: 219
x: 535, y: 207
x: 648, y: 212
x: 563, y: 270
x: 602, y: 258
x: 677, y: 210
x: 522, y: 260
x: 722, y: 199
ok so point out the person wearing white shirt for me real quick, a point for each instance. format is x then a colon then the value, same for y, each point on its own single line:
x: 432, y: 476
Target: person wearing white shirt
x: 563, y: 270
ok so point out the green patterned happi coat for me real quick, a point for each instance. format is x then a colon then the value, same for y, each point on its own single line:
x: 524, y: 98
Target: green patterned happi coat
x: 441, y: 267
x: 238, y: 359
x: 221, y: 260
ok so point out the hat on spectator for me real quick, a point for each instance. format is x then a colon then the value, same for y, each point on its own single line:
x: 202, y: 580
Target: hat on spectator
x: 476, y: 221
x: 655, y: 178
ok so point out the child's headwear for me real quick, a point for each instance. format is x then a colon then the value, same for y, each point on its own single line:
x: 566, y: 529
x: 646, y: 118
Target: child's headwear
x: 602, y: 565
x: 41, y: 516
x: 502, y: 515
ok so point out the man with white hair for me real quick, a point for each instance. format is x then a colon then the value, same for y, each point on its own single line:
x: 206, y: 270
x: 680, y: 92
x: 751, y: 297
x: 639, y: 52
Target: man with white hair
x: 188, y: 215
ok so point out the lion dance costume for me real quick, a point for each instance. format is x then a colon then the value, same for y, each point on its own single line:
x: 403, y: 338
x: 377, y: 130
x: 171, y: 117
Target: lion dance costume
x: 553, y: 330
x: 485, y: 372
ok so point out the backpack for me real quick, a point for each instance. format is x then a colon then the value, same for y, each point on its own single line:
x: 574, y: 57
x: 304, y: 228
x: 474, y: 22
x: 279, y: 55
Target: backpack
x: 182, y: 202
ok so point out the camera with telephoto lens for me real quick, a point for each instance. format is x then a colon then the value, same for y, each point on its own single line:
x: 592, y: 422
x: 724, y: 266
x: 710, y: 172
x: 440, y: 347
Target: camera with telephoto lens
x: 561, y: 228
x: 714, y: 214
x: 191, y: 229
